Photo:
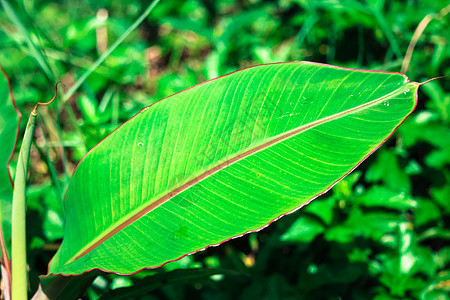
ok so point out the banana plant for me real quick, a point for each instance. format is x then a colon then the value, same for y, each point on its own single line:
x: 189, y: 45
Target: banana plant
x: 219, y: 160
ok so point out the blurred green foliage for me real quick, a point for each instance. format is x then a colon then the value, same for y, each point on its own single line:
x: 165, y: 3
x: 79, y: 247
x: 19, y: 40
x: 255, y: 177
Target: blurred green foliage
x: 381, y: 233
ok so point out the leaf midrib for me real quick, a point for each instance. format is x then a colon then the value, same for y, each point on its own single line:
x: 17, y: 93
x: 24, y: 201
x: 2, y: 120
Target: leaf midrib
x: 143, y: 210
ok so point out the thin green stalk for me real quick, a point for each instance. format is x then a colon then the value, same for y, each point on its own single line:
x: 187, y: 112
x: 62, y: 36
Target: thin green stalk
x: 94, y: 66
x: 18, y: 241
x: 54, y: 129
x: 387, y: 32
x: 19, y: 285
x: 45, y: 157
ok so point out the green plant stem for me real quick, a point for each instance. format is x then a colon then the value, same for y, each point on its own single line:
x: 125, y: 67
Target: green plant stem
x: 94, y: 66
x: 45, y: 157
x: 387, y: 32
x: 54, y: 130
x: 18, y: 240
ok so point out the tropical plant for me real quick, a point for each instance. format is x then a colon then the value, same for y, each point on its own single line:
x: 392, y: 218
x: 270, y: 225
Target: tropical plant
x: 382, y: 232
x: 214, y: 162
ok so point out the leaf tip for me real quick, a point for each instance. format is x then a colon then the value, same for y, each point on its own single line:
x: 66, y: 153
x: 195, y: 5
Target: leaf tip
x: 435, y: 78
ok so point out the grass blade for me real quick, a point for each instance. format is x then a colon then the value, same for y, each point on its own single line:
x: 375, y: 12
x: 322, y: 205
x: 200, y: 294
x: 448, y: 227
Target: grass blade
x: 94, y: 66
x: 387, y: 32
x: 36, y: 53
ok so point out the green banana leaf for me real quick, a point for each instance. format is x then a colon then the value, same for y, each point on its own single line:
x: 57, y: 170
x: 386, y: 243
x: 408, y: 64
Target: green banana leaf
x: 8, y: 129
x: 222, y: 159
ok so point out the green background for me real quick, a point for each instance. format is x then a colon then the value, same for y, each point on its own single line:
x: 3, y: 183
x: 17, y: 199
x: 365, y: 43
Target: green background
x: 382, y: 233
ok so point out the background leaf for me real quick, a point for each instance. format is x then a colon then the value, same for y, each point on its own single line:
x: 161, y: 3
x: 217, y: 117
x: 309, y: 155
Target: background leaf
x: 8, y: 129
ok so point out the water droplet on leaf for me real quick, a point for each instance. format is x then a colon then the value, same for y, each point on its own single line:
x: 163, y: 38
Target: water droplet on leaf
x: 140, y: 144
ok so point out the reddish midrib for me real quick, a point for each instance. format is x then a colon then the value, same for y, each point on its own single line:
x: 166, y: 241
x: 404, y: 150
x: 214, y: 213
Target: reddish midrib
x: 227, y: 163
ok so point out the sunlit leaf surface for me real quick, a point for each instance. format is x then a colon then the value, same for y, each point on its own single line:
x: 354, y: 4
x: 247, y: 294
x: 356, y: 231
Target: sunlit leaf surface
x: 221, y: 159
